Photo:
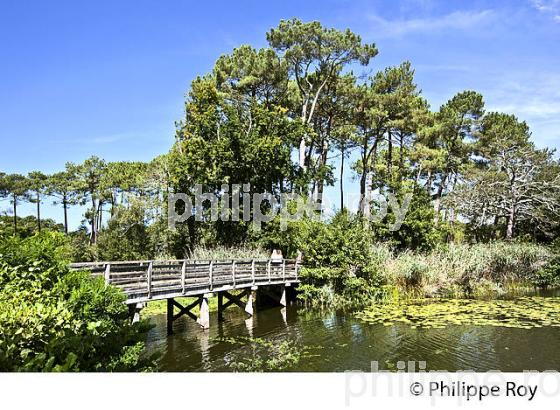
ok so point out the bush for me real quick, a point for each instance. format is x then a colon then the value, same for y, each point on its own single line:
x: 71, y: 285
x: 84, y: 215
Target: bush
x: 342, y: 263
x: 27, y: 226
x: 549, y: 276
x: 52, y: 319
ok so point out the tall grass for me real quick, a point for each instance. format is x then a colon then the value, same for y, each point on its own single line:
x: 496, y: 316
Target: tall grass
x: 456, y: 270
x: 225, y: 253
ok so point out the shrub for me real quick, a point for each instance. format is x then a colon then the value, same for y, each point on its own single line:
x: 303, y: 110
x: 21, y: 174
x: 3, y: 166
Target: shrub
x: 548, y: 276
x: 52, y: 319
x: 342, y: 263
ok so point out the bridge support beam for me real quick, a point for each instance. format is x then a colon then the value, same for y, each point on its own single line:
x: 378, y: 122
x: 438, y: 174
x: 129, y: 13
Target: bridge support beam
x: 170, y: 316
x: 204, y: 312
x: 134, y: 311
x: 249, y: 306
x: 283, y: 301
x: 275, y: 297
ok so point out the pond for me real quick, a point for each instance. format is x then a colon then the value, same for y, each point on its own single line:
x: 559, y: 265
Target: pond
x: 334, y: 341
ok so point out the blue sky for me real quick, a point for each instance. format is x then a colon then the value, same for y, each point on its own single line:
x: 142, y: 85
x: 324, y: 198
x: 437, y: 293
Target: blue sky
x: 108, y: 78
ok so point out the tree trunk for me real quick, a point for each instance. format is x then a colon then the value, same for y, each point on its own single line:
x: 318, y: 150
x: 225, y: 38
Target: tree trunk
x: 437, y: 200
x: 302, y: 149
x: 401, y: 157
x: 65, y: 206
x: 93, y: 221
x: 389, y: 160
x: 38, y: 211
x: 510, y: 224
x: 452, y: 215
x: 429, y: 180
x: 341, y: 180
x: 15, y: 215
x: 367, y: 197
x: 113, y: 201
x: 323, y: 162
x: 363, y: 179
x: 100, y: 215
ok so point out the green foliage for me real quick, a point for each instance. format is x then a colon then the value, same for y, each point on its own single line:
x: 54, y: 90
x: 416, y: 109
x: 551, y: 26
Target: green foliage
x: 341, y: 262
x: 417, y: 232
x: 27, y: 225
x: 548, y: 276
x: 478, y: 271
x: 126, y: 236
x: 52, y: 319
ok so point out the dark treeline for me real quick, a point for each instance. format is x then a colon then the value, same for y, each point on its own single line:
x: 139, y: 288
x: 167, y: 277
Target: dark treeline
x: 284, y: 118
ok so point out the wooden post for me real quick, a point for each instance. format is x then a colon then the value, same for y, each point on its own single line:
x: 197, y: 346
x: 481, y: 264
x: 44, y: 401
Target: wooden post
x: 183, y: 275
x: 220, y: 306
x: 107, y: 272
x: 211, y: 273
x: 135, y: 311
x: 169, y: 316
x: 251, y: 300
x: 253, y: 270
x: 268, y: 271
x: 283, y: 296
x: 284, y: 270
x: 149, y: 279
x: 204, y: 314
x: 233, y: 272
x: 298, y: 262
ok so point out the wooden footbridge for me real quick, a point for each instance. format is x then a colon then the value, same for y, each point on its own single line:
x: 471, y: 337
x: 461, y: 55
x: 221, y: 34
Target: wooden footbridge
x: 241, y: 282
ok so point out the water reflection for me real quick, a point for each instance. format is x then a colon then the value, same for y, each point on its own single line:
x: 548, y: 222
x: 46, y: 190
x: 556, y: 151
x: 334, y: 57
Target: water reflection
x: 341, y: 342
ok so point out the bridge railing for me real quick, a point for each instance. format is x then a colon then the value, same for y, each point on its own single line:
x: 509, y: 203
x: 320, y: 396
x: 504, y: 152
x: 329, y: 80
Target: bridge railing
x: 161, y: 279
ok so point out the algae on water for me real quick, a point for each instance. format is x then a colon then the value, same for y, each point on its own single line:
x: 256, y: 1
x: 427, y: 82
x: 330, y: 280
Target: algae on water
x: 524, y: 313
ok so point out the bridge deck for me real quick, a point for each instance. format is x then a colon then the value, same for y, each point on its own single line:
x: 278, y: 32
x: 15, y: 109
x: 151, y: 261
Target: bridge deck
x: 143, y: 281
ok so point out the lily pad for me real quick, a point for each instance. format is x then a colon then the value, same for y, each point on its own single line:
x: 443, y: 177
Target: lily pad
x: 523, y: 313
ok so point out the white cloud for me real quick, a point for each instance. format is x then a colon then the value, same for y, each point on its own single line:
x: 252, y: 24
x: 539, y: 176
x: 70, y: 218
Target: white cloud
x: 532, y: 97
x: 458, y: 20
x: 551, y: 7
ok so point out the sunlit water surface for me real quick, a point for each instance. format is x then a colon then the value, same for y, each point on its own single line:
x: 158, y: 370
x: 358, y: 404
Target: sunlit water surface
x: 338, y: 342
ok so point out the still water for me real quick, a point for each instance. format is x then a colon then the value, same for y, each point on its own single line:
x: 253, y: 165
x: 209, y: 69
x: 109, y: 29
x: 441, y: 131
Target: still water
x: 337, y: 341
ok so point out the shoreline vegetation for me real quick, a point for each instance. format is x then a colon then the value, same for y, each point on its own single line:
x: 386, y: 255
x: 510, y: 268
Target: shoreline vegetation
x: 459, y: 271
x: 455, y: 271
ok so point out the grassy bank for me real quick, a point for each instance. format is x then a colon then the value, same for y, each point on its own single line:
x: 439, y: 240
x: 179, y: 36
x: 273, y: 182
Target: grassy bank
x: 159, y: 307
